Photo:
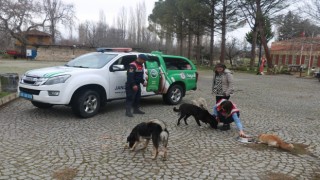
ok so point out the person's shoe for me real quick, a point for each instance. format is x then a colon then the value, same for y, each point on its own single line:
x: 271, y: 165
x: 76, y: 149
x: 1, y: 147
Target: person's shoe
x: 138, y: 111
x: 225, y: 127
x: 129, y: 114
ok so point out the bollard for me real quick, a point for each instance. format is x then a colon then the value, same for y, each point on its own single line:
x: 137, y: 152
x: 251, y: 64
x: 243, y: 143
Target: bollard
x: 9, y: 82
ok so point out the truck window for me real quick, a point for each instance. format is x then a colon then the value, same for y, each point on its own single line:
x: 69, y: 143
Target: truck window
x: 125, y: 60
x: 154, y: 58
x: 173, y: 63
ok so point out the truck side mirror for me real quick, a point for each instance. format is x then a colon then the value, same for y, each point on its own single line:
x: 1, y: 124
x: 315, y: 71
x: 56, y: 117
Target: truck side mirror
x: 118, y: 67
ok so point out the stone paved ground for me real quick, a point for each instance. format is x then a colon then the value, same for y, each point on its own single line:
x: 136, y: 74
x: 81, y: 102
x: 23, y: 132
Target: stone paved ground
x: 36, y: 143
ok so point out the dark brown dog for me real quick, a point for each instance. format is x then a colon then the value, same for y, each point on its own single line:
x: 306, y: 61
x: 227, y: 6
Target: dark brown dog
x: 199, y: 114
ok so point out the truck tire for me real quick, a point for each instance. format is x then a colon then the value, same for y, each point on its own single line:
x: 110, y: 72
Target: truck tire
x: 174, y: 95
x: 41, y: 105
x: 86, y: 103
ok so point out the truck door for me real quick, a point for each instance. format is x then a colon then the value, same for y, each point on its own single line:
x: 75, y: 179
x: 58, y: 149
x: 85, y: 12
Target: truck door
x: 153, y: 76
x: 118, y: 79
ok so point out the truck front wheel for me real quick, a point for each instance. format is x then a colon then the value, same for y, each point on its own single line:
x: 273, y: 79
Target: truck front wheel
x: 174, y: 95
x: 86, y: 103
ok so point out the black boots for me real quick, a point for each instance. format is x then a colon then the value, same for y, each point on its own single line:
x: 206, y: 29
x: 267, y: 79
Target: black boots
x: 225, y: 127
x: 138, y: 111
x: 129, y: 114
x: 128, y: 111
x: 135, y: 111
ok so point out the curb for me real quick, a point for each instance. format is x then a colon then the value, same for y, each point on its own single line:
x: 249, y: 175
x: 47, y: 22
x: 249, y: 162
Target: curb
x: 8, y: 98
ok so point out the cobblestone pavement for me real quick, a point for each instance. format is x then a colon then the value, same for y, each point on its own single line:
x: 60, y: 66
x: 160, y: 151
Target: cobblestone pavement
x: 36, y: 143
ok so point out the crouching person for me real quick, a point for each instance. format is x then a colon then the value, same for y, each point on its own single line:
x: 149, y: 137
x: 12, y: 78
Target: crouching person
x: 226, y: 112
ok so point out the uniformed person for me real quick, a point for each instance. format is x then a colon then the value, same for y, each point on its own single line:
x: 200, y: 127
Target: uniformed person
x: 134, y: 79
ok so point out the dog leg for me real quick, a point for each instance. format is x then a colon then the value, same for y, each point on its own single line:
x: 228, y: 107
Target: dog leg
x: 125, y: 147
x: 181, y: 116
x: 134, y: 146
x: 155, y: 153
x: 185, y: 119
x: 165, y: 154
x: 198, y: 122
x: 146, y: 144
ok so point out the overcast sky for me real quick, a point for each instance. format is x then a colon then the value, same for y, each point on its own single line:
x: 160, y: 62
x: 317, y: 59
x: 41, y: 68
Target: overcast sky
x: 90, y: 9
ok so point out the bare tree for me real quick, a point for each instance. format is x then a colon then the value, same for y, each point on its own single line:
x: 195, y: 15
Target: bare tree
x: 132, y: 23
x: 255, y: 12
x: 17, y: 17
x: 141, y: 21
x: 101, y: 30
x: 58, y: 12
x: 248, y: 9
x: 228, y: 17
x: 88, y: 34
x: 232, y: 49
x: 5, y: 40
x: 122, y: 24
x: 312, y: 9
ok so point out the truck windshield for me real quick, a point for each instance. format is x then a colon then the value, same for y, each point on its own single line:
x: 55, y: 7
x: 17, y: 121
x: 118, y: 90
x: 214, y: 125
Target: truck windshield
x: 92, y: 60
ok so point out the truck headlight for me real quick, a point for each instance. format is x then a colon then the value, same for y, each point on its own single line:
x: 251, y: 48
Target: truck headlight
x: 57, y: 79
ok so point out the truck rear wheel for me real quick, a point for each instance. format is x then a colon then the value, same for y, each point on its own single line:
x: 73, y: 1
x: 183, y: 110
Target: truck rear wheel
x: 86, y: 103
x: 174, y: 95
x: 41, y: 105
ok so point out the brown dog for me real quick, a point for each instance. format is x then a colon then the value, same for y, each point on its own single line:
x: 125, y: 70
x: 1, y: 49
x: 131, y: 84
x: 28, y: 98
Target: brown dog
x: 275, y: 141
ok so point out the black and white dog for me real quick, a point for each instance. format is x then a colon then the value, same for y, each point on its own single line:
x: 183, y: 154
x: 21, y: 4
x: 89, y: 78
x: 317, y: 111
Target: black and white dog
x: 186, y: 110
x: 153, y: 129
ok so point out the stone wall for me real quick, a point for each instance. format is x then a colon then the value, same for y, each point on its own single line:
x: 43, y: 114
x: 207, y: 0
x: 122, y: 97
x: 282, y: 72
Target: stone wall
x: 60, y: 53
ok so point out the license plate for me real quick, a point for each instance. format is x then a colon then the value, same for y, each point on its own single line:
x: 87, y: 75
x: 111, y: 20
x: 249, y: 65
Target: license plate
x: 26, y: 95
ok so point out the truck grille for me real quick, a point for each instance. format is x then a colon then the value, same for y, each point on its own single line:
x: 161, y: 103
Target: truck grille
x: 29, y: 80
x: 30, y: 91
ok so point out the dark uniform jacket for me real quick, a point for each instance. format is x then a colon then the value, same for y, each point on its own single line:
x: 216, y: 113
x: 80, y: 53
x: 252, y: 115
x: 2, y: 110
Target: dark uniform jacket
x: 135, y: 74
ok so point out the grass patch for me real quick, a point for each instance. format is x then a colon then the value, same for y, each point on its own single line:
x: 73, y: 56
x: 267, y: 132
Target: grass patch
x: 3, y: 94
x: 65, y: 174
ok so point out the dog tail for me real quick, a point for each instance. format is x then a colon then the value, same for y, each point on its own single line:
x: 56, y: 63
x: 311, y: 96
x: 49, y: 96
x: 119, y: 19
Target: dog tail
x: 164, y: 136
x: 175, y: 109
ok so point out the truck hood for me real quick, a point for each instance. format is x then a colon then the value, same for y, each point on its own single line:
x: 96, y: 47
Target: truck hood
x: 53, y: 71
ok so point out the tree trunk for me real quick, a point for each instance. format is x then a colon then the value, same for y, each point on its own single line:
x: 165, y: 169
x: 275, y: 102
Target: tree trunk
x: 253, y: 47
x: 198, y: 48
x: 260, y: 19
x: 53, y: 33
x: 223, y: 32
x: 212, y: 45
x: 189, y: 44
x: 181, y: 46
x: 212, y: 34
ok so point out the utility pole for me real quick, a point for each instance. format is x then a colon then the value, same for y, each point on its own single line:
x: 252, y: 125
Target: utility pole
x: 309, y: 63
x: 301, y: 53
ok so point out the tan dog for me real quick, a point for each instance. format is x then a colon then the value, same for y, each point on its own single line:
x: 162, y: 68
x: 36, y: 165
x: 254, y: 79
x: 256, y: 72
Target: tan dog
x: 275, y: 141
x: 200, y: 102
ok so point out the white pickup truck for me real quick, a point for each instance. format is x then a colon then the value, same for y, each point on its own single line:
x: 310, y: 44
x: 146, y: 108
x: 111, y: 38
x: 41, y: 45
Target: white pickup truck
x: 87, y: 82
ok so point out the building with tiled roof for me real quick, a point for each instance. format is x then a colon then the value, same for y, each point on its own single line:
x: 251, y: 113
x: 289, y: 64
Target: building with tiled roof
x: 36, y: 38
x: 298, y: 51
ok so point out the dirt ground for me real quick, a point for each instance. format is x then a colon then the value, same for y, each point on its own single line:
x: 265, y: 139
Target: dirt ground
x: 21, y: 66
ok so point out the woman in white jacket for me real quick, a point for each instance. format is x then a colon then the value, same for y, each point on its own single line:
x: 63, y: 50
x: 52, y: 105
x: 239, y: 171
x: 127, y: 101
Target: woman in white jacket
x: 222, y: 85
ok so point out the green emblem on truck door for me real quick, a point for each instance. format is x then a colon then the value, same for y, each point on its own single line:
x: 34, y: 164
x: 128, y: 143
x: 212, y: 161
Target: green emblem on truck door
x: 153, y: 76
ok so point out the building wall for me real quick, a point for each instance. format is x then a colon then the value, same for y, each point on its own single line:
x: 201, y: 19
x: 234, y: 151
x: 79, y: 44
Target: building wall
x: 297, y: 51
x: 60, y: 53
x: 39, y: 40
